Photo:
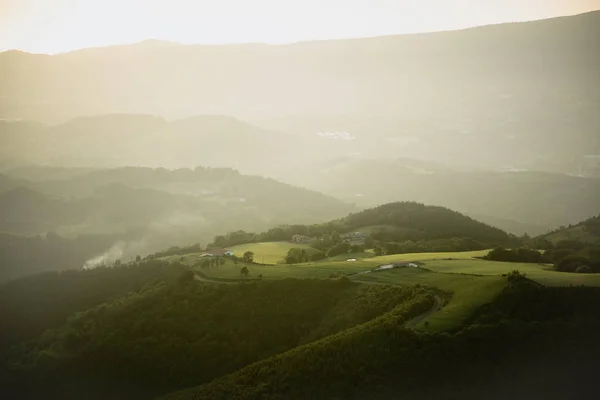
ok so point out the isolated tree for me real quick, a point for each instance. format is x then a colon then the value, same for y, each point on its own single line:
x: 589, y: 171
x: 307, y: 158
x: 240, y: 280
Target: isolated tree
x: 138, y: 258
x: 515, y: 276
x: 378, y: 251
x: 244, y: 271
x: 248, y: 257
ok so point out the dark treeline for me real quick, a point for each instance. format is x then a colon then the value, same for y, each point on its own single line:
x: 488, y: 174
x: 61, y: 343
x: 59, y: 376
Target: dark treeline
x: 176, y: 251
x: 566, y: 255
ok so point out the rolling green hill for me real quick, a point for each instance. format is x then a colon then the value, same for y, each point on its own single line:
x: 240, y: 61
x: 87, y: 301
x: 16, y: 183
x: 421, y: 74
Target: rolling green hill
x: 516, y: 201
x: 399, y: 227
x: 180, y: 333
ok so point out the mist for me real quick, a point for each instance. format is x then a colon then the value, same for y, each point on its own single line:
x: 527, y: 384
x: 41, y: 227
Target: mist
x: 352, y: 206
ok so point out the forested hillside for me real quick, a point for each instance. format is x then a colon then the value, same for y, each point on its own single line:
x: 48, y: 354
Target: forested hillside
x: 403, y: 227
x: 526, y: 336
x: 180, y: 333
x: 587, y: 231
x: 35, y: 303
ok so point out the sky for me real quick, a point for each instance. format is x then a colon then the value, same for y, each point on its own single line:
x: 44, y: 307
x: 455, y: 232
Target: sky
x: 54, y: 26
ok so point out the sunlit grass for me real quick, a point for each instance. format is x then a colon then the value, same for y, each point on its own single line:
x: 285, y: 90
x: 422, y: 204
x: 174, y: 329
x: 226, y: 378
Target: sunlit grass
x: 471, y: 281
x: 267, y: 252
x: 468, y: 292
x: 543, y: 274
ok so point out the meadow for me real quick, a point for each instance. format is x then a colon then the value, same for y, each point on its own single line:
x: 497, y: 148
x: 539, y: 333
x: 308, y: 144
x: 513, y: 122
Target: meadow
x: 472, y: 282
x: 267, y: 252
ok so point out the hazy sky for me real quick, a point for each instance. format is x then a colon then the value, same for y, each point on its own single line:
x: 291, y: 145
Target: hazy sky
x: 51, y: 26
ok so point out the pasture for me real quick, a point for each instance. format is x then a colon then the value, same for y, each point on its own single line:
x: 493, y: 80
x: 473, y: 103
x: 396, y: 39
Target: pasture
x: 267, y: 252
x: 471, y: 281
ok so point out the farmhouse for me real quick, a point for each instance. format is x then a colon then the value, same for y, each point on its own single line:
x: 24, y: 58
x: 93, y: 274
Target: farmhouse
x: 301, y: 239
x: 355, y: 238
x: 217, y: 253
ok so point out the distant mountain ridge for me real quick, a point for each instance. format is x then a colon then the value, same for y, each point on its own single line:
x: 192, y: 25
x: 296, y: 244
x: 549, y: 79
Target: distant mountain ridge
x: 118, y: 140
x: 519, y: 88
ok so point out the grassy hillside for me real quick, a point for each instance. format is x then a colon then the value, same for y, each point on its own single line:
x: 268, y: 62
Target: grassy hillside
x: 177, y: 334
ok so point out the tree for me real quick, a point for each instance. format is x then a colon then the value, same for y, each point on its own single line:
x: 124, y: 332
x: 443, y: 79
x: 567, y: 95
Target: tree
x: 583, y: 269
x: 248, y: 257
x: 138, y: 258
x: 571, y: 263
x: 317, y: 255
x: 515, y: 276
x: 186, y: 276
x: 244, y: 271
x: 356, y: 248
x: 378, y: 251
x: 339, y: 248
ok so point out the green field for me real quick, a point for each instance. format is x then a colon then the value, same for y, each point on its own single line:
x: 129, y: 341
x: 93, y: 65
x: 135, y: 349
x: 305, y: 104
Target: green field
x: 543, y: 274
x: 268, y: 252
x: 468, y: 292
x: 473, y: 282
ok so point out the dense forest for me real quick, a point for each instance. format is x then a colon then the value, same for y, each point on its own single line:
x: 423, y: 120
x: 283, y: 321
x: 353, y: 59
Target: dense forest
x: 181, y: 332
x: 35, y: 303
